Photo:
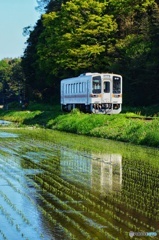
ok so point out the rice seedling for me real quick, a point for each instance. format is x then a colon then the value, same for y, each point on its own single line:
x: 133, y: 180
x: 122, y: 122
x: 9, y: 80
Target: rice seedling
x: 44, y: 176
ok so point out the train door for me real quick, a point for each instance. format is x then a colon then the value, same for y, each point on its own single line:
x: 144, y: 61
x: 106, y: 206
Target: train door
x: 107, y: 88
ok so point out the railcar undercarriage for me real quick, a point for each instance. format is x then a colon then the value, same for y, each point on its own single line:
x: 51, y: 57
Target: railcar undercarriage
x: 98, y: 108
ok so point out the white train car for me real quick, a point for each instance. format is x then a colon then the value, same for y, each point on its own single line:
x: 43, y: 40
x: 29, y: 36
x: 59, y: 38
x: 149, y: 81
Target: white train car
x: 92, y: 92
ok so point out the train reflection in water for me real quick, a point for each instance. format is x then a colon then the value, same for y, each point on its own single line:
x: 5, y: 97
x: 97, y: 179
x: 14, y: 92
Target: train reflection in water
x: 99, y: 172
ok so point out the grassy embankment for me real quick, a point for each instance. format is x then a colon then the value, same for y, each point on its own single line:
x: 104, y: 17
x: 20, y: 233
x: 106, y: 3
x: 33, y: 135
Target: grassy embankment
x: 136, y: 127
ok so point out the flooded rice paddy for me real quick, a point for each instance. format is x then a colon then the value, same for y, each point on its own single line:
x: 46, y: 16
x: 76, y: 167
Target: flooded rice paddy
x: 74, y: 187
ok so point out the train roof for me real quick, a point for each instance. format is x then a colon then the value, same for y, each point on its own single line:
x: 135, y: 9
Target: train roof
x: 88, y: 74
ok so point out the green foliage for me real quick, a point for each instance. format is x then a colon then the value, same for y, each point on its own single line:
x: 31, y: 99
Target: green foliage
x: 128, y: 6
x: 78, y: 36
x: 19, y: 116
x: 149, y: 111
x: 35, y: 114
x: 77, y: 122
x: 75, y: 36
x: 5, y: 70
x: 127, y: 127
x: 124, y: 127
x: 12, y: 80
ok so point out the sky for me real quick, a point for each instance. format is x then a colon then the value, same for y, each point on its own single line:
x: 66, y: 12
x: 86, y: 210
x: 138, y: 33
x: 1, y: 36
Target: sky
x: 14, y: 16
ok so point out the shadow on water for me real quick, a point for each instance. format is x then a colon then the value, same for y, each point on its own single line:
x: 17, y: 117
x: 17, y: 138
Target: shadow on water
x: 64, y: 190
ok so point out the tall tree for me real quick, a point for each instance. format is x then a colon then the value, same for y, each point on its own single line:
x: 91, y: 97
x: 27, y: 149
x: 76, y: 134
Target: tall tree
x: 12, y: 81
x: 75, y: 37
x: 36, y: 79
x: 133, y: 49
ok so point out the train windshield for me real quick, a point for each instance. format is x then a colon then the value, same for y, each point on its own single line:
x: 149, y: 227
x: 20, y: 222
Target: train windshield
x: 96, y: 84
x: 116, y: 84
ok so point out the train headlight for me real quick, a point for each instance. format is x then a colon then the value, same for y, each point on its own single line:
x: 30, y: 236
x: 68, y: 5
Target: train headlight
x: 116, y: 95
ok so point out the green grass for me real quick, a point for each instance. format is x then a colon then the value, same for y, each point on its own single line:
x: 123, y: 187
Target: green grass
x: 127, y: 127
x: 143, y: 111
x: 35, y: 114
x: 121, y: 127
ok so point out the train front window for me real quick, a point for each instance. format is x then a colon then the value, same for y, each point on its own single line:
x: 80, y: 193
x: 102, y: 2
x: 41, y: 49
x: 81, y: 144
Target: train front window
x: 96, y: 84
x: 116, y: 84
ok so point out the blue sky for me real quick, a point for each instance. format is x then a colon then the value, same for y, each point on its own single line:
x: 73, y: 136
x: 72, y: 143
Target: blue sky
x: 14, y: 16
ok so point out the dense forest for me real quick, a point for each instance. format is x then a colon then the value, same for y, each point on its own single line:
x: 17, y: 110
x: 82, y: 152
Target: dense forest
x: 12, y: 81
x: 77, y: 36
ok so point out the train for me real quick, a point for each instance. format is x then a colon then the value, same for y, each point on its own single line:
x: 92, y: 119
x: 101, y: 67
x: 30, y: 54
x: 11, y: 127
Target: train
x: 92, y: 93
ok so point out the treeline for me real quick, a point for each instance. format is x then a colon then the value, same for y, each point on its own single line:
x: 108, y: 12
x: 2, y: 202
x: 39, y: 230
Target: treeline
x: 12, y: 81
x: 76, y: 36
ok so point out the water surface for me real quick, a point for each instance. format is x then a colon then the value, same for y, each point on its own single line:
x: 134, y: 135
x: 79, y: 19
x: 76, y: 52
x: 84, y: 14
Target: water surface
x: 63, y: 190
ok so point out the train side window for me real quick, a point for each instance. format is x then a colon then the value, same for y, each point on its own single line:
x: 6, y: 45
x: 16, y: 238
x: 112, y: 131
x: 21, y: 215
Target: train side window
x: 69, y: 88
x: 84, y: 87
x: 80, y: 87
x: 107, y: 87
x: 72, y: 88
x: 76, y: 87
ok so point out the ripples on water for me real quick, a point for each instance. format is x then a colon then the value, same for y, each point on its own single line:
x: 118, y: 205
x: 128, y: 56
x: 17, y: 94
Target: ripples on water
x: 48, y: 191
